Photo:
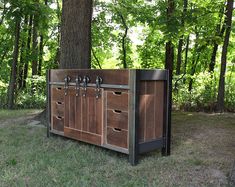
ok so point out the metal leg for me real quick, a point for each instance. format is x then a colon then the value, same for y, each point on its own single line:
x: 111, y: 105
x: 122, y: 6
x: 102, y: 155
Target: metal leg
x: 166, y: 150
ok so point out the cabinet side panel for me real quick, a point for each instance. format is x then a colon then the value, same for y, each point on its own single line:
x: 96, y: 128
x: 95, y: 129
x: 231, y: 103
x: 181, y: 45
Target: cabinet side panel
x: 159, y: 108
x: 151, y: 110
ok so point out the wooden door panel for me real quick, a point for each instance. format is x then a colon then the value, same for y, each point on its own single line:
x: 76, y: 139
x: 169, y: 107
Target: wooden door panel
x: 92, y: 112
x: 73, y: 110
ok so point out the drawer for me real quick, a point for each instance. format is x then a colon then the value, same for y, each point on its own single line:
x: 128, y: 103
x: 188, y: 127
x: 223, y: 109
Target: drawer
x: 57, y: 93
x: 57, y: 123
x: 57, y: 108
x: 117, y: 100
x: 117, y: 119
x: 117, y: 137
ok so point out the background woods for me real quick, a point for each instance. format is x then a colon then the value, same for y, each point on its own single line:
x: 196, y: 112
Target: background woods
x: 193, y: 38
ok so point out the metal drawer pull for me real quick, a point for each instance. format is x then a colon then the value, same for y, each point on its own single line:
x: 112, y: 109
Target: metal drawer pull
x: 117, y: 130
x: 59, y: 103
x: 59, y: 88
x: 85, y: 81
x: 98, y: 83
x: 77, y: 87
x: 59, y: 117
x: 117, y: 93
x: 117, y: 111
x: 67, y: 79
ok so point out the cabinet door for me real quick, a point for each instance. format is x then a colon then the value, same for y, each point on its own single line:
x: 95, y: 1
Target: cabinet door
x: 83, y: 115
x: 92, y: 112
x: 73, y: 109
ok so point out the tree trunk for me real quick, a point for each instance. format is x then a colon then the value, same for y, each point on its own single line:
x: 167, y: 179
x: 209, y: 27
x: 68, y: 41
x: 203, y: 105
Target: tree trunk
x: 76, y: 34
x: 26, y: 65
x: 124, y: 60
x: 12, y: 83
x: 220, y: 28
x: 221, y: 90
x: 194, y: 62
x: 41, y: 47
x: 40, y: 57
x: 169, y: 62
x: 35, y: 46
x: 186, y: 54
x: 181, y: 41
x: 22, y: 57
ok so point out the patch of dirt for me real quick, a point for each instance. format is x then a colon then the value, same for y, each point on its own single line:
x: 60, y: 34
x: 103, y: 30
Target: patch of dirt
x: 28, y: 119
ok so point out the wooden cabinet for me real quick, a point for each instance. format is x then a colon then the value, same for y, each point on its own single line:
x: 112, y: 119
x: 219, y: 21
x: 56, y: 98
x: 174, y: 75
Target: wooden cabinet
x: 122, y: 110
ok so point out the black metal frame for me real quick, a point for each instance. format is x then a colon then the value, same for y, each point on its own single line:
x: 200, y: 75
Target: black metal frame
x: 48, y: 110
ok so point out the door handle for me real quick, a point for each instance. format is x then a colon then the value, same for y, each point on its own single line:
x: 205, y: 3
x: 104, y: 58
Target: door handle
x: 85, y: 81
x: 66, y: 84
x: 98, y: 83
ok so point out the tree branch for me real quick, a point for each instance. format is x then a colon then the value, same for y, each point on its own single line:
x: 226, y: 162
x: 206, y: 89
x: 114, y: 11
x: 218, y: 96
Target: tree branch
x: 96, y: 58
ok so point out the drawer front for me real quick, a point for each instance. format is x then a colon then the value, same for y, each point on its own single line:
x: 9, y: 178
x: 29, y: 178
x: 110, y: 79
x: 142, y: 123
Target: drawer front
x: 57, y: 108
x: 117, y: 119
x: 57, y: 93
x: 58, y: 123
x: 117, y: 100
x: 117, y: 137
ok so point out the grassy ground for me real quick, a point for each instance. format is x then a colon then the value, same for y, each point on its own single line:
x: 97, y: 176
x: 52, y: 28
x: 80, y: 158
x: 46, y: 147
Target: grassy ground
x: 203, y: 151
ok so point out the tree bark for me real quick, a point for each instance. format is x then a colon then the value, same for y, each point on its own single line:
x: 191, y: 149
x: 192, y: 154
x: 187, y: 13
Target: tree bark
x: 26, y: 65
x: 124, y: 61
x: 35, y: 46
x: 76, y: 34
x: 169, y: 62
x: 181, y: 41
x: 221, y: 90
x: 40, y: 57
x: 220, y: 28
x: 12, y: 83
x: 22, y: 57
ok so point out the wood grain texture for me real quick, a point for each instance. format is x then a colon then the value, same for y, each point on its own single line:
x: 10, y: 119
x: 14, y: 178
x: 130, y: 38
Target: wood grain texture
x: 117, y: 100
x: 116, y: 137
x: 57, y: 93
x: 57, y: 108
x: 118, y: 77
x: 117, y: 119
x: 58, y: 123
x: 82, y: 136
x: 151, y: 110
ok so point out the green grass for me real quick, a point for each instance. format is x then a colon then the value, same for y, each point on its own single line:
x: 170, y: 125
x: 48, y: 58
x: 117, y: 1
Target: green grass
x: 202, y: 154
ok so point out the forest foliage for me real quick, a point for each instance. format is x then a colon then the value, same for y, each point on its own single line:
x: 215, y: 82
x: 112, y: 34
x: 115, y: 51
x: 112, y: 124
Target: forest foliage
x: 125, y: 34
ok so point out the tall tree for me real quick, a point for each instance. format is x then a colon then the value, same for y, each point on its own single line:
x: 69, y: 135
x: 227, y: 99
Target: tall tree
x: 220, y: 28
x: 76, y: 34
x: 228, y: 22
x: 28, y: 47
x: 169, y: 61
x: 181, y: 40
x: 35, y: 45
x: 12, y: 83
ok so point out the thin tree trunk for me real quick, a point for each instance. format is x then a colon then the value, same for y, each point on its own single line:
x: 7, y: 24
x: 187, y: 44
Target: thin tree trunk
x: 76, y: 34
x: 12, y: 83
x: 193, y: 65
x: 186, y: 54
x: 22, y: 57
x: 124, y: 60
x: 41, y: 47
x: 221, y: 90
x: 35, y: 46
x: 26, y: 65
x: 169, y: 62
x: 40, y: 57
x: 96, y: 58
x: 181, y: 41
x: 220, y: 28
